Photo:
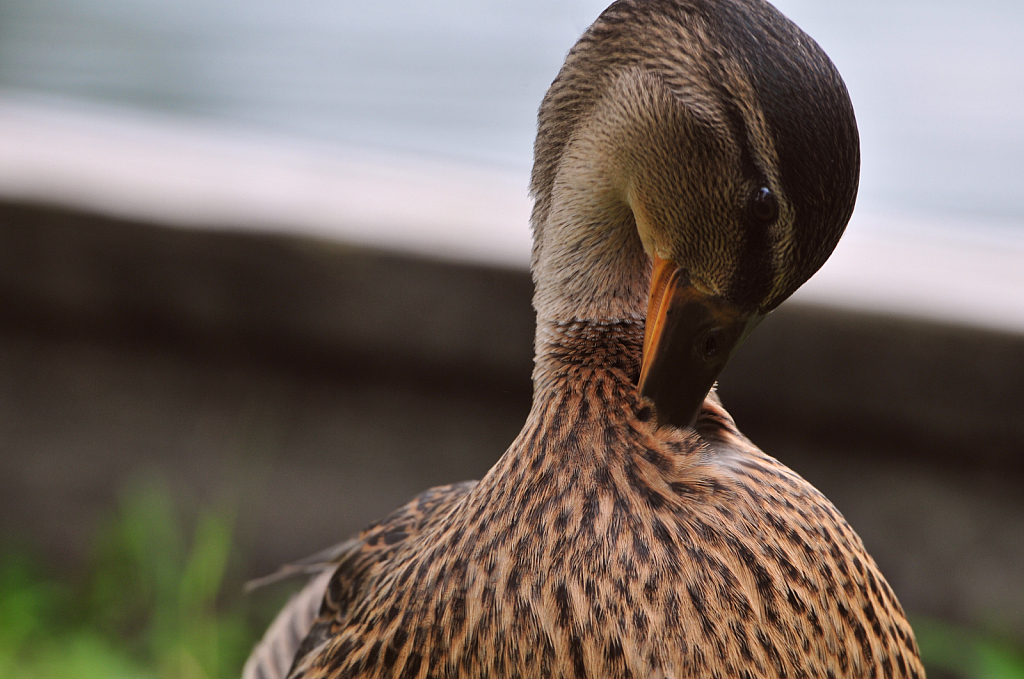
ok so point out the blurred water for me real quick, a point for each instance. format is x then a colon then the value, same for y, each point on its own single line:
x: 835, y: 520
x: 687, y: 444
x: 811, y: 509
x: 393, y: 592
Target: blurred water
x: 938, y: 85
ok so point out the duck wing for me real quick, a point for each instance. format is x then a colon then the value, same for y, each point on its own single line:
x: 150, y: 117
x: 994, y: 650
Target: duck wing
x: 347, y: 564
x: 272, y: 657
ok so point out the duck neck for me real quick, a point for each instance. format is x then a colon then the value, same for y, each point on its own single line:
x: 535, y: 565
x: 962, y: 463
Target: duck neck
x: 572, y: 355
x: 590, y: 271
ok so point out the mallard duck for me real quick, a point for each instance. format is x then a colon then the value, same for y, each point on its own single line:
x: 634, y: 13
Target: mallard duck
x: 696, y: 161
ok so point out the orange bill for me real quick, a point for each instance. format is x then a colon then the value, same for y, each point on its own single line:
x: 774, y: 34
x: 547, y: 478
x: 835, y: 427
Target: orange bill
x: 688, y: 339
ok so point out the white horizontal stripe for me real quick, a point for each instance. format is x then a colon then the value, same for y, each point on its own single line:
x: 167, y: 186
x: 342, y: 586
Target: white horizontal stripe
x: 967, y: 273
x: 177, y: 173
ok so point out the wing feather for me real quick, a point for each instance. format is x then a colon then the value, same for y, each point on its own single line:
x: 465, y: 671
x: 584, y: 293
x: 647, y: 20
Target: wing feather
x: 350, y: 561
x: 273, y: 655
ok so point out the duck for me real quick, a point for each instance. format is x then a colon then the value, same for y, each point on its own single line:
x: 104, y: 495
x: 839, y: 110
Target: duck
x: 696, y: 161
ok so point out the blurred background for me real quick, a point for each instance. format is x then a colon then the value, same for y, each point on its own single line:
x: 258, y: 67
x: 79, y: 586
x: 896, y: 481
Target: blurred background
x: 263, y: 277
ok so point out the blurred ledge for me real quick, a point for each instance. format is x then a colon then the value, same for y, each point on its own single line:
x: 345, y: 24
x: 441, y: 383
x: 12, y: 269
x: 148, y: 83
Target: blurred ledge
x: 898, y: 384
x: 169, y: 171
x: 272, y: 296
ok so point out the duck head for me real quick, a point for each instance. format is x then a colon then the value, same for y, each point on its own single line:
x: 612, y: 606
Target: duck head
x: 696, y: 162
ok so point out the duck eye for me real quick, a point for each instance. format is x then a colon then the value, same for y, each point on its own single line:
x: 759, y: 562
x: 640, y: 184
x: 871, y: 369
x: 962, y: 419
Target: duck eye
x: 709, y: 346
x: 763, y: 205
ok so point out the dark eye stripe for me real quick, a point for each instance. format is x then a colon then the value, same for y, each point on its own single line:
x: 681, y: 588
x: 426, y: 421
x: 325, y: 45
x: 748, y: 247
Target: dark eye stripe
x: 738, y: 127
x: 752, y: 269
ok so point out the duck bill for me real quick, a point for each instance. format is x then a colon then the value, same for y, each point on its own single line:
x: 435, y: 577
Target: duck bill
x: 688, y: 339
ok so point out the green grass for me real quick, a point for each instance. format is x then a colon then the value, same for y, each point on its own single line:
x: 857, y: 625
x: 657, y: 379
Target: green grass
x: 953, y: 651
x: 153, y: 604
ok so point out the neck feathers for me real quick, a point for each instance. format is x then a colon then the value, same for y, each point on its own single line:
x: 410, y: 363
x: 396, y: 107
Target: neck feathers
x: 571, y: 354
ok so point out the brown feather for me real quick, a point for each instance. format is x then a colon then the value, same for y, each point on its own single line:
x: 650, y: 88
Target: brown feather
x: 273, y: 655
x: 601, y: 545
